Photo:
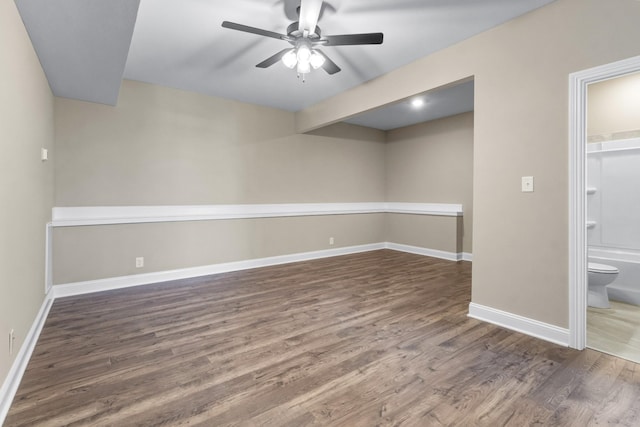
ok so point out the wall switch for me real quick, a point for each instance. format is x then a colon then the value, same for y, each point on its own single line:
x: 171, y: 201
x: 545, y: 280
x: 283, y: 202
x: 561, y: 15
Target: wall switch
x: 527, y: 184
x: 139, y: 262
x: 331, y: 240
x: 44, y: 154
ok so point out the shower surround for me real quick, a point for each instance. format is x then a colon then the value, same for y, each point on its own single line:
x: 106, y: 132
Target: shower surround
x: 613, y: 213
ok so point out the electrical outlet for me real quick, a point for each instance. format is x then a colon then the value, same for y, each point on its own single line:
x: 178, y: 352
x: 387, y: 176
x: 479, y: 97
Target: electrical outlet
x: 12, y: 339
x: 139, y: 262
x: 331, y: 240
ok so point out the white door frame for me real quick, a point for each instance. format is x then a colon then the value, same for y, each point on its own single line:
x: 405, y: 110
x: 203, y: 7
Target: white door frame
x: 578, y: 83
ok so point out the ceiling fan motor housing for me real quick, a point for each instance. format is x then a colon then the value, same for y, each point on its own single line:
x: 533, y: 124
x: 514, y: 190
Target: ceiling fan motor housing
x: 293, y: 31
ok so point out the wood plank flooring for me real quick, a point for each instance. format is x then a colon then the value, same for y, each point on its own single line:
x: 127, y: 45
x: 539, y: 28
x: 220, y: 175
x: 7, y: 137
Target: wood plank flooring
x: 373, y: 339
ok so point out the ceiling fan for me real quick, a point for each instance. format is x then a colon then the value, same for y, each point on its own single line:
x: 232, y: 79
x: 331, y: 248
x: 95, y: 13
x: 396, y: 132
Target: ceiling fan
x: 305, y: 37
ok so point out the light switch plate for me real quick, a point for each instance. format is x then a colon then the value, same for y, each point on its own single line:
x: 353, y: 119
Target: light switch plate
x: 527, y: 184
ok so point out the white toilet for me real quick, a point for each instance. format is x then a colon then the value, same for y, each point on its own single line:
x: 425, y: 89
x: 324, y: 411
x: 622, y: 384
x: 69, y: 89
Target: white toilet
x: 598, y: 277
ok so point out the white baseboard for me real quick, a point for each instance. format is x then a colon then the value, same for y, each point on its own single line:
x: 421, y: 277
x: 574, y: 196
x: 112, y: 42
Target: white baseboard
x: 99, y: 285
x: 48, y: 258
x: 79, y: 288
x: 466, y: 256
x: 522, y: 324
x: 435, y: 253
x: 12, y: 381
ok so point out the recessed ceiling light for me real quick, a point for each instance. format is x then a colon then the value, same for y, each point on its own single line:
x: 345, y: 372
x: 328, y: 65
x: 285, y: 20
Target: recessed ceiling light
x: 417, y: 102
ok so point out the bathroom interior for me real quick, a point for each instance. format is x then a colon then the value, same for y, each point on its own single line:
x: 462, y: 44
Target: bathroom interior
x: 613, y: 216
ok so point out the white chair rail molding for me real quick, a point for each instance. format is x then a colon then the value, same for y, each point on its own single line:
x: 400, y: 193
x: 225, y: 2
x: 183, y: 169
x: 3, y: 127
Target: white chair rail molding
x: 100, y: 215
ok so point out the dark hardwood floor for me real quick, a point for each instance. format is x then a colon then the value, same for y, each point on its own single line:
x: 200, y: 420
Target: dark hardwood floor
x: 373, y: 339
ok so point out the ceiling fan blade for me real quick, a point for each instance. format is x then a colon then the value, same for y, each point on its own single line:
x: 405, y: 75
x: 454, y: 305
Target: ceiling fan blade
x: 254, y: 30
x: 272, y: 59
x: 353, y: 39
x: 329, y: 66
x: 309, y: 14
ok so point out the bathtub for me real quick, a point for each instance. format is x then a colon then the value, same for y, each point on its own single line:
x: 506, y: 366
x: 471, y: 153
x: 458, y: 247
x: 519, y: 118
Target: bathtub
x: 626, y: 287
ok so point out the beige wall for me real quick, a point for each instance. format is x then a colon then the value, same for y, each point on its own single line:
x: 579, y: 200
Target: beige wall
x: 442, y: 233
x: 161, y: 146
x: 521, y: 68
x: 432, y: 163
x: 26, y: 186
x: 97, y: 252
x: 614, y: 108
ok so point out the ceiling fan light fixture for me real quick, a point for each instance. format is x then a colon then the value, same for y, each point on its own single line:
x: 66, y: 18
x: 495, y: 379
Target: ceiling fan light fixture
x: 290, y: 59
x: 303, y: 35
x: 304, y: 67
x: 304, y: 53
x: 317, y: 60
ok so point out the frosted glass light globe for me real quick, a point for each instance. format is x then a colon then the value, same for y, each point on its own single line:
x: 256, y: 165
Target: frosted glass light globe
x: 290, y: 59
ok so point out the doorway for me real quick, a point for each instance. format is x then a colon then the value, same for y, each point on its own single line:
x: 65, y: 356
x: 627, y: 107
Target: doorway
x: 578, y: 83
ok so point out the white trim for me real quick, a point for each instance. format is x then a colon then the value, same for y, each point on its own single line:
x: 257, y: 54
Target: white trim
x: 577, y: 213
x: 90, y: 286
x: 99, y: 215
x: 435, y: 253
x: 102, y: 215
x: 521, y: 324
x: 12, y: 381
x: 466, y: 256
x: 440, y: 209
x: 578, y: 83
x: 48, y: 261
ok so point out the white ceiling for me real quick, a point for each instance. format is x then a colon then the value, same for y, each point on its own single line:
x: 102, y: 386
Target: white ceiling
x: 82, y: 44
x: 181, y: 44
x: 438, y: 103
